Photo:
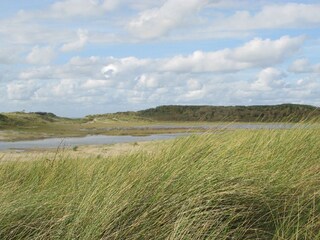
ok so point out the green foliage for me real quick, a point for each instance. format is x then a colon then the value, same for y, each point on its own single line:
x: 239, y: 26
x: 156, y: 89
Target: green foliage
x: 29, y: 119
x: 3, y: 117
x: 117, y: 117
x: 75, y: 148
x: 3, y: 120
x: 273, y: 113
x: 244, y: 184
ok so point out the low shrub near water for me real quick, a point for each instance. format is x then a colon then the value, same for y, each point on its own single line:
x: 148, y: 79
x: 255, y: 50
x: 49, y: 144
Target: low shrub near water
x: 243, y: 184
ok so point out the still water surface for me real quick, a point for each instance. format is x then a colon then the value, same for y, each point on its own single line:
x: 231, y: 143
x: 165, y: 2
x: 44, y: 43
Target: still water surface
x: 103, y: 139
x: 87, y: 140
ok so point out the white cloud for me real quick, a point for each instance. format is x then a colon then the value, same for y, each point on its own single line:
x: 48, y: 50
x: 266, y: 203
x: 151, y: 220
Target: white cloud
x: 65, y: 88
x: 21, y: 90
x: 77, y: 68
x: 192, y: 95
x: 180, y: 79
x: 194, y: 84
x: 41, y: 55
x: 79, y: 61
x: 78, y: 44
x: 255, y: 53
x: 45, y: 72
x: 290, y: 15
x: 267, y: 52
x: 72, y: 8
x: 18, y: 31
x: 147, y: 81
x: 70, y: 84
x: 110, y: 5
x: 249, y: 73
x: 96, y: 84
x: 109, y: 71
x: 304, y: 66
x: 269, y: 79
x: 300, y: 66
x: 91, y: 8
x: 8, y: 56
x: 157, y: 22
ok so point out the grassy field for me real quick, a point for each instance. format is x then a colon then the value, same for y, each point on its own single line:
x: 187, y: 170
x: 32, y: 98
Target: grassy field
x: 243, y: 184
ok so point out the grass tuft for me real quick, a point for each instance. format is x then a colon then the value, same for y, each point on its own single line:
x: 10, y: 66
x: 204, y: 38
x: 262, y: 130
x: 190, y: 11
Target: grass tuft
x: 243, y: 184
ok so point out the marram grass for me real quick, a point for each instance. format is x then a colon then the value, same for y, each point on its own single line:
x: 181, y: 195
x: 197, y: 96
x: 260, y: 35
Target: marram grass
x: 243, y: 184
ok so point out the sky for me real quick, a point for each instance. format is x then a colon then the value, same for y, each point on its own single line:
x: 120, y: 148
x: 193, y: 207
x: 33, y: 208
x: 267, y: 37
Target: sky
x: 81, y: 57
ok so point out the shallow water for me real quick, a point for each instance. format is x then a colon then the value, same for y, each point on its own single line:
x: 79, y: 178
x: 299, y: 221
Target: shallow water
x: 87, y: 140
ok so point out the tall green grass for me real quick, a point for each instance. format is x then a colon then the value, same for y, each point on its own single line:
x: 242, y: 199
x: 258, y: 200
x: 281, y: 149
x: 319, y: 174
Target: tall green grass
x: 244, y: 184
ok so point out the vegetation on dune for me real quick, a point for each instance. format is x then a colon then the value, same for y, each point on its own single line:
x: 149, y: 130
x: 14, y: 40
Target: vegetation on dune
x: 273, y: 113
x: 3, y: 119
x: 244, y: 184
x: 118, y: 117
x: 22, y: 119
x: 35, y: 125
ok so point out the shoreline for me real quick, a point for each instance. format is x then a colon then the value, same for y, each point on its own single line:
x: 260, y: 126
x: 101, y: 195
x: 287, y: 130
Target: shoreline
x: 25, y: 134
x: 82, y: 151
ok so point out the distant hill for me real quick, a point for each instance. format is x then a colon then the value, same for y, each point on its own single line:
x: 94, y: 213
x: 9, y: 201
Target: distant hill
x: 262, y: 113
x: 27, y: 119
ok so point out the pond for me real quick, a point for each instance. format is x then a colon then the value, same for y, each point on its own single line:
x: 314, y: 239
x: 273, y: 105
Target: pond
x: 87, y: 140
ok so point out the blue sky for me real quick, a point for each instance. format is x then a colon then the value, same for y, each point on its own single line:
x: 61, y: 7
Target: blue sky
x: 80, y: 57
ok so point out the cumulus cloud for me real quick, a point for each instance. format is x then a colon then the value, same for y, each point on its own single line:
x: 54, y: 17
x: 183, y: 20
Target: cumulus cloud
x: 269, y: 79
x: 96, y: 84
x: 78, y: 44
x: 202, y: 77
x: 249, y: 73
x: 41, y: 55
x: 21, y: 90
x: 290, y: 15
x: 300, y: 66
x: 69, y: 84
x: 44, y: 72
x: 304, y: 66
x: 194, y: 84
x: 65, y: 88
x: 8, y: 56
x: 77, y: 68
x: 109, y: 71
x: 89, y: 8
x: 255, y: 53
x: 159, y: 21
x: 147, y: 81
x: 111, y: 5
x: 72, y: 8
x: 193, y: 95
x: 19, y: 31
